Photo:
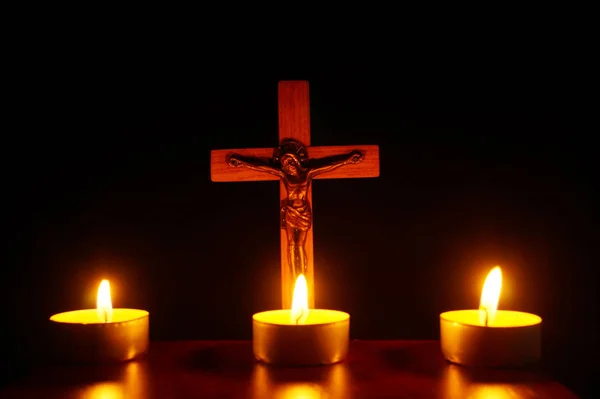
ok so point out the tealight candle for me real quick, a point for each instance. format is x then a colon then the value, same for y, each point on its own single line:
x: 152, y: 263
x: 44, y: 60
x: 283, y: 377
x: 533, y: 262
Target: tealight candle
x: 488, y: 336
x: 101, y: 334
x: 300, y: 336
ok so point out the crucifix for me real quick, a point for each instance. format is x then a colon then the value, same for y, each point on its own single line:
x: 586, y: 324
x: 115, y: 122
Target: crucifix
x: 291, y: 165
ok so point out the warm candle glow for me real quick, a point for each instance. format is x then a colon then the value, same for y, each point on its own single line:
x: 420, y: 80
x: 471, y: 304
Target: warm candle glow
x: 488, y: 336
x: 103, y: 303
x: 299, y: 311
x: 490, y: 295
x: 300, y: 336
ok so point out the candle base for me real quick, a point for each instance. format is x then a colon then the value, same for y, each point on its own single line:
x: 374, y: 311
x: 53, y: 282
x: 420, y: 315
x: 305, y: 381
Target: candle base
x: 465, y: 343
x: 310, y: 344
x: 117, y: 341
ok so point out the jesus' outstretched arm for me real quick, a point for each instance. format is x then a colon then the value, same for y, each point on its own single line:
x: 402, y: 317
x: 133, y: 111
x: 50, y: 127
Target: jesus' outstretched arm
x: 258, y: 164
x: 323, y: 165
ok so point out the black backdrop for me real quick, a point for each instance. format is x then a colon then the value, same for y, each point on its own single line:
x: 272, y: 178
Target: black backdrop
x: 107, y: 176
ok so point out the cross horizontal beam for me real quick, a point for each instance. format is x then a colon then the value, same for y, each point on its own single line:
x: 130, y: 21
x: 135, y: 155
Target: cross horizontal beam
x: 221, y: 172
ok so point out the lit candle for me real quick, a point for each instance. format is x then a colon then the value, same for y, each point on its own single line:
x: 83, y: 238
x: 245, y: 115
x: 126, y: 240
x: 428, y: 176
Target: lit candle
x: 488, y: 336
x: 101, y: 334
x: 300, y: 336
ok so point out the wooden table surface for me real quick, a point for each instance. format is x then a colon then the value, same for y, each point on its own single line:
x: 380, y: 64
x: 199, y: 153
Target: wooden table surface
x: 226, y: 369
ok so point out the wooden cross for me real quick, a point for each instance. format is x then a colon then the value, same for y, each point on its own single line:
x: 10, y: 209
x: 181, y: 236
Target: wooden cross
x: 294, y: 123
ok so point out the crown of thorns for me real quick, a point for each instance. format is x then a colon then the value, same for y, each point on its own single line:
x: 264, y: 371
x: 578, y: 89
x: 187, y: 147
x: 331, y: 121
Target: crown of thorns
x: 292, y: 149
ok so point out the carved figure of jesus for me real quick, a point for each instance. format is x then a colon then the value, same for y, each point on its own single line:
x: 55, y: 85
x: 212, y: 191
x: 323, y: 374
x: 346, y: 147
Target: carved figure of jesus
x: 292, y: 165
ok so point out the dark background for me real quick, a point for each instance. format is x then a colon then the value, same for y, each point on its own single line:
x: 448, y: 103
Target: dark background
x: 107, y: 175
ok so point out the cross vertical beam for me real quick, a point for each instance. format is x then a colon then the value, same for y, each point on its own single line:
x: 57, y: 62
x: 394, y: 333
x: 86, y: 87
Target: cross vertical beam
x: 294, y: 123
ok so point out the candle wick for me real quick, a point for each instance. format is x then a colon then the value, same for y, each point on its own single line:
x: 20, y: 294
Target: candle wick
x: 299, y: 317
x: 486, y: 315
x: 105, y: 316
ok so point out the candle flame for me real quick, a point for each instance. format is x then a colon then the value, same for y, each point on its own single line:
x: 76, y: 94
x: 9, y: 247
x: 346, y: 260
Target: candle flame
x: 490, y: 296
x: 300, y: 301
x: 103, y: 303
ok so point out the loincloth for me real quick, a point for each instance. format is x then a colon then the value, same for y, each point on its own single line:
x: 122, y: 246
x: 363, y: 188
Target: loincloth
x: 297, y: 218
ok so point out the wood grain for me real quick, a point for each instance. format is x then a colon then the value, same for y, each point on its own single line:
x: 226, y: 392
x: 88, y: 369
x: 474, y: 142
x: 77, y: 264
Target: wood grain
x: 294, y: 111
x: 226, y: 369
x: 221, y: 172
